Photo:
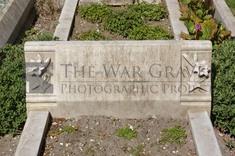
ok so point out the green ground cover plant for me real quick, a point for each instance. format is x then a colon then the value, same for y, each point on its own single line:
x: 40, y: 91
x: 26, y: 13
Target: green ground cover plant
x: 146, y: 32
x: 198, y: 17
x: 231, y: 4
x: 126, y: 133
x: 12, y: 83
x: 92, y: 35
x: 127, y: 20
x: 94, y: 12
x: 223, y: 111
x: 12, y: 89
x: 173, y: 135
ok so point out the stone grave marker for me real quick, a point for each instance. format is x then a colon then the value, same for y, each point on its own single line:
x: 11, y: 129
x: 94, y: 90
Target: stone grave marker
x: 126, y: 79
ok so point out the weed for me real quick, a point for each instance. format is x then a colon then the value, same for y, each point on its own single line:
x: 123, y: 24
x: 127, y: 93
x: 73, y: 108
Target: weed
x: 94, y: 12
x: 153, y: 12
x: 122, y: 22
x: 67, y: 129
x: 126, y: 133
x: 137, y: 151
x: 146, y: 32
x: 91, y: 35
x: 174, y: 135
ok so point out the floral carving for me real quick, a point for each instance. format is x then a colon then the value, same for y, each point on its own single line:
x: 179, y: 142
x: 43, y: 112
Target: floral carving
x: 40, y: 74
x: 200, y: 73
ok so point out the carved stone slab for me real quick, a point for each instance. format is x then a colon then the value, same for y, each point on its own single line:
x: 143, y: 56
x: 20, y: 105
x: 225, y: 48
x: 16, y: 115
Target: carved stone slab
x: 118, y: 78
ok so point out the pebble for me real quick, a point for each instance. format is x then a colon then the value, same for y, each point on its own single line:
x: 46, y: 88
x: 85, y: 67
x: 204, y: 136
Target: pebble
x: 54, y: 123
x: 61, y: 144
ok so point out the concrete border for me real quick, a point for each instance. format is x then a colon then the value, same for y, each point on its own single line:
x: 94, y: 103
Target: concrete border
x: 224, y: 14
x: 64, y: 27
x: 12, y: 19
x: 31, y: 140
x: 177, y: 26
x: 203, y: 134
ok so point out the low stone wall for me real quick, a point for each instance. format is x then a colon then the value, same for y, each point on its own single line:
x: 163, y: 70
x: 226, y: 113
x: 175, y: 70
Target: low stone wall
x: 12, y: 19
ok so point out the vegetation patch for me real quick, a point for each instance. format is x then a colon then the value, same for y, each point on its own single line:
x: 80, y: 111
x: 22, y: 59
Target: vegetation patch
x: 92, y: 35
x: 146, y: 32
x: 223, y: 111
x: 67, y: 129
x: 126, y: 133
x: 198, y: 17
x: 136, y: 151
x: 12, y: 89
x: 126, y: 20
x: 173, y: 135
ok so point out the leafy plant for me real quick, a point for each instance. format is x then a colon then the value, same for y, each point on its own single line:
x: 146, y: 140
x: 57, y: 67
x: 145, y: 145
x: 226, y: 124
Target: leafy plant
x: 126, y: 133
x: 223, y: 110
x: 94, y: 12
x: 12, y: 89
x: 174, y: 135
x: 149, y: 33
x: 122, y: 22
x: 91, y: 35
x: 198, y: 18
x: 153, y: 12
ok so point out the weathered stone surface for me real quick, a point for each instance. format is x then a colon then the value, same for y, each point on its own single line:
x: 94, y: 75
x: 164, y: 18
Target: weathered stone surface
x: 66, y: 19
x: 31, y: 139
x: 12, y: 19
x: 119, y: 78
x: 203, y: 134
x: 177, y: 26
x: 223, y: 13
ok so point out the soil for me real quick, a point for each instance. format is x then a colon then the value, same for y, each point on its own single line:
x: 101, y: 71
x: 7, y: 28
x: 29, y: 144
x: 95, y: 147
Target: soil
x: 81, y: 25
x: 97, y: 136
x: 8, y: 144
x: 40, y: 22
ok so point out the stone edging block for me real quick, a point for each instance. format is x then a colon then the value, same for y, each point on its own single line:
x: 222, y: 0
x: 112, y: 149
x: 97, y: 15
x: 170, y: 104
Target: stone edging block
x: 66, y: 19
x: 33, y: 134
x: 203, y: 134
x: 12, y: 19
x: 223, y: 14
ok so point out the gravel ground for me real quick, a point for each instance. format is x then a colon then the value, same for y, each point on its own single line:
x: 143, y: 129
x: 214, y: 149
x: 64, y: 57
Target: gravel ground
x: 8, y: 145
x: 97, y: 136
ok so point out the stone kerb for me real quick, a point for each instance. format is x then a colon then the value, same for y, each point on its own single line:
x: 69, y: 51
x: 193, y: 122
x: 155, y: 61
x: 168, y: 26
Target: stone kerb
x: 223, y: 14
x: 12, y: 19
x: 126, y: 79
